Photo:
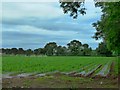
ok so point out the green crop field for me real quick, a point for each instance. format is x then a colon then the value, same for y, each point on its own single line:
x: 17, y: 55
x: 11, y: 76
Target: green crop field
x: 59, y: 72
x: 37, y: 64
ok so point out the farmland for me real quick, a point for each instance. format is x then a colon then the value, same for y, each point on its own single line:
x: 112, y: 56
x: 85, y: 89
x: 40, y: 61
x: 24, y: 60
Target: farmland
x: 69, y: 66
x: 22, y: 64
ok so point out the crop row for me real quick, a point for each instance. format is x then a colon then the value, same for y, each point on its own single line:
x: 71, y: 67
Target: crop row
x: 85, y: 66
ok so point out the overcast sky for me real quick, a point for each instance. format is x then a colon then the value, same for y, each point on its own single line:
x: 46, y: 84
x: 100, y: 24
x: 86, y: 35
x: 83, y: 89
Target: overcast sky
x: 32, y: 25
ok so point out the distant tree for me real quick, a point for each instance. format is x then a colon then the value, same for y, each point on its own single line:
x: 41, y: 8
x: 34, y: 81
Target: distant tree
x: 102, y: 50
x: 39, y: 51
x: 65, y: 50
x: 6, y: 51
x: 61, y: 51
x: 0, y: 50
x: 93, y: 53
x: 3, y: 50
x: 42, y: 51
x: 14, y: 51
x: 86, y: 50
x: 74, y: 47
x: 50, y: 48
x: 21, y: 51
x: 29, y: 52
x: 36, y: 51
x: 85, y: 45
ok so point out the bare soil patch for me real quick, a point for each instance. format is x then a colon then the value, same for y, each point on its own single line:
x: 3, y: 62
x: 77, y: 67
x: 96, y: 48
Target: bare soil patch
x: 58, y: 80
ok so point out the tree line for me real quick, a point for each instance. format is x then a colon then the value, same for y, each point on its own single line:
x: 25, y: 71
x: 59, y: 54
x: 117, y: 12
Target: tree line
x: 73, y: 48
x: 107, y: 28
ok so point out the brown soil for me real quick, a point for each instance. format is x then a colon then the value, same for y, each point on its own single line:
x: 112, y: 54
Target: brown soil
x: 59, y: 81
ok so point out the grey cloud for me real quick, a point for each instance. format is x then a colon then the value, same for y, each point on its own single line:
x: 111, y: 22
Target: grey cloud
x: 25, y: 40
x: 81, y: 26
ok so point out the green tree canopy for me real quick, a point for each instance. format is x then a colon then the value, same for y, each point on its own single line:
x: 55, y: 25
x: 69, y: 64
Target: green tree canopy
x: 74, y: 8
x: 107, y: 28
x: 102, y: 50
x: 50, y: 48
x: 74, y: 47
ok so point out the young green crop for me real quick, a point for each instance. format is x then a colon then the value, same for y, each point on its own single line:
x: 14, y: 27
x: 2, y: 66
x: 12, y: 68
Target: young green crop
x: 24, y: 64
